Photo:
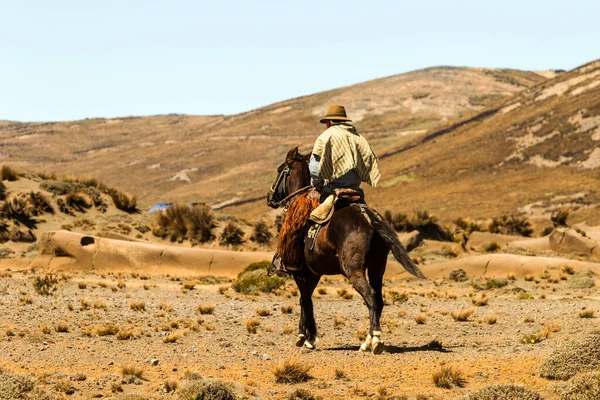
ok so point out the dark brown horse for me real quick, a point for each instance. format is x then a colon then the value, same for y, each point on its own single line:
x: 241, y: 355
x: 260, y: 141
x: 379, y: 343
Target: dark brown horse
x: 350, y: 244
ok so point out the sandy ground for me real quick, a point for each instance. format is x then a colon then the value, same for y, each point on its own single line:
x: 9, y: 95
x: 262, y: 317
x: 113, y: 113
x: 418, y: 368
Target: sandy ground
x: 218, y: 345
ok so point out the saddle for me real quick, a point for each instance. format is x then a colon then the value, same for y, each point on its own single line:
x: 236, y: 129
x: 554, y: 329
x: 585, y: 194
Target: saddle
x: 336, y: 200
x: 321, y: 215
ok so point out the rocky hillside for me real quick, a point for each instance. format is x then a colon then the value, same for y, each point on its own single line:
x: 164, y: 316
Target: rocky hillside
x: 534, y: 153
x: 216, y: 159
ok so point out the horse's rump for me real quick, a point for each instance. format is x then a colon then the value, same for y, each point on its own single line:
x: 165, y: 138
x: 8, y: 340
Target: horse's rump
x: 290, y: 245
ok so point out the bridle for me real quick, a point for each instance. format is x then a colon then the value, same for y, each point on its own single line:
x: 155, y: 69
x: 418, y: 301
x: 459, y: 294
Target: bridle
x: 277, y: 195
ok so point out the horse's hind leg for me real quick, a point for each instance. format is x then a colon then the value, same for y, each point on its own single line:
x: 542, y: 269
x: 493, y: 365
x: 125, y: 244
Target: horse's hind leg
x: 307, y: 329
x: 362, y: 286
x: 376, y: 283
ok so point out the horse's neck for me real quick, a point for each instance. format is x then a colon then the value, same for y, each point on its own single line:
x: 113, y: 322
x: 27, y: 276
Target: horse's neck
x: 300, y: 179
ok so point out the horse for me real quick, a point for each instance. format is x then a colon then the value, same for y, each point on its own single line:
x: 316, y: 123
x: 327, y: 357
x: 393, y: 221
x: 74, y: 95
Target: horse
x: 351, y: 244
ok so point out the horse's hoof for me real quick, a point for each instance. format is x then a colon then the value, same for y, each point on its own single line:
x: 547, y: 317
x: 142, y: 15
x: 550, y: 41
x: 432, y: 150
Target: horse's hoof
x: 301, y: 340
x: 366, y: 345
x: 309, y: 345
x: 378, y: 348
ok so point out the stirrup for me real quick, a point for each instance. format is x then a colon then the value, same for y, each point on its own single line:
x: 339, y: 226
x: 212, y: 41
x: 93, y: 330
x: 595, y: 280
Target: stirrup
x: 277, y: 267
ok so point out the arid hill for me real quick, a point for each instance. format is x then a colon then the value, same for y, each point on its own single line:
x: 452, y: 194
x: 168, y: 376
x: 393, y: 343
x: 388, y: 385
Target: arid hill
x: 216, y: 159
x: 536, y: 152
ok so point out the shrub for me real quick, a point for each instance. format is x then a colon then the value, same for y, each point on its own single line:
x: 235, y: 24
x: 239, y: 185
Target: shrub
x: 492, y: 283
x: 206, y: 310
x: 182, y: 222
x: 39, y: 204
x: 254, y: 279
x: 491, y: 247
x: 559, y: 217
x: 481, y: 301
x: 207, y: 390
x: 138, y: 306
x: 586, y: 314
x: 583, y: 387
x: 467, y: 225
x: 458, y: 275
x: 300, y: 394
x: 45, y: 285
x: 291, y: 372
x: 123, y: 201
x: 132, y: 370
x: 19, y: 209
x: 581, y: 282
x: 252, y: 325
x: 571, y: 357
x: 232, y: 235
x: 421, y: 319
x: 9, y: 174
x: 429, y: 227
x: 2, y: 191
x: 506, y: 391
x: 261, y: 233
x: 511, y: 225
x: 77, y: 201
x: 13, y: 386
x: 447, y: 377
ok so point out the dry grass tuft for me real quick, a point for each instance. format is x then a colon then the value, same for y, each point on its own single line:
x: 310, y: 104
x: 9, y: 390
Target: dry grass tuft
x: 462, y: 315
x: 252, y: 325
x: 421, y: 319
x: 182, y: 222
x: 338, y: 322
x: 291, y: 372
x: 586, y: 313
x: 345, y: 294
x: 481, y: 301
x: 62, y: 327
x: 173, y: 337
x: 206, y: 310
x: 263, y: 312
x: 132, y: 370
x: 137, y: 306
x: 45, y: 285
x: 447, y: 377
x: 232, y: 235
x: 82, y: 285
x: 287, y: 309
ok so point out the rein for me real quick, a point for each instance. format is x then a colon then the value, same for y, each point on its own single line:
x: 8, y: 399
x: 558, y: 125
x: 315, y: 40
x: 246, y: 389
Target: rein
x: 279, y: 188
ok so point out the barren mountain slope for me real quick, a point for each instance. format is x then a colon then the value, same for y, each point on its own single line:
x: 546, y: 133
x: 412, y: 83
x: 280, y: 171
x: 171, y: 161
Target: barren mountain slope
x: 219, y: 158
x: 538, y: 151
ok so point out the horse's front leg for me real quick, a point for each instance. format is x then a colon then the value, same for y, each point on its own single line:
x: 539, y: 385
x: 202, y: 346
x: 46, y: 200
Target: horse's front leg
x: 307, y: 328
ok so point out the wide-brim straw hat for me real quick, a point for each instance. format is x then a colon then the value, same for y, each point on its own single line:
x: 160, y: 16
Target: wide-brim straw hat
x: 335, y: 113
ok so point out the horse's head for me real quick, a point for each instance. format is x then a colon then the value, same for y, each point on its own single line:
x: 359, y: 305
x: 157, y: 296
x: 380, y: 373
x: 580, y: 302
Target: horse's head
x: 292, y: 174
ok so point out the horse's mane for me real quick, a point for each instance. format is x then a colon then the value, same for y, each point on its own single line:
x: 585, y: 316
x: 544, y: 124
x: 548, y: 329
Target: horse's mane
x: 290, y: 246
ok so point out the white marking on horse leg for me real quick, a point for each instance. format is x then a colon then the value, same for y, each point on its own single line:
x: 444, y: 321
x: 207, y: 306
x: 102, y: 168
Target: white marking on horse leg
x: 300, y: 341
x: 310, y: 345
x: 377, y: 343
x: 366, y: 346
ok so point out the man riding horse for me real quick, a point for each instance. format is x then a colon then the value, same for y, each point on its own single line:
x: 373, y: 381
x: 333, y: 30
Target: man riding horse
x: 341, y: 159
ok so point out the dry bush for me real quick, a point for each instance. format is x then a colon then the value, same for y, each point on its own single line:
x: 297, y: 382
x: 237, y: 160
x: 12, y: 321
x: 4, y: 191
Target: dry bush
x: 491, y: 319
x: 345, y: 294
x: 173, y: 337
x: 137, y: 306
x: 467, y: 225
x: 77, y: 201
x: 64, y: 386
x: 491, y: 247
x: 254, y: 279
x: 123, y: 201
x: 82, y: 285
x: 493, y: 283
x: 62, y: 327
x: 421, y: 319
x: 232, y: 235
x: 252, y: 325
x: 189, y: 285
x: 263, y: 312
x: 583, y: 387
x: 505, y: 391
x: 340, y: 373
x: 261, y: 233
x: 567, y: 269
x: 300, y: 394
x: 9, y: 174
x: 107, y: 330
x: 39, y: 204
x: 322, y: 291
x: 447, y: 377
x: 559, y: 217
x: 511, y: 225
x: 462, y: 315
x: 361, y: 334
x: 205, y: 310
x: 338, y: 321
x: 170, y: 385
x: 287, y: 309
x: 19, y: 209
x: 291, y: 372
x: 45, y: 285
x: 3, y: 191
x: 182, y: 222
x: 571, y: 357
x: 45, y: 329
x: 586, y: 314
x: 200, y: 389
x: 13, y: 386
x: 132, y: 370
x: 458, y: 275
x: 481, y: 301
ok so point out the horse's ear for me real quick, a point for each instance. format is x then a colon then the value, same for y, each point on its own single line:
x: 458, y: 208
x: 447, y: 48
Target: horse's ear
x: 291, y: 155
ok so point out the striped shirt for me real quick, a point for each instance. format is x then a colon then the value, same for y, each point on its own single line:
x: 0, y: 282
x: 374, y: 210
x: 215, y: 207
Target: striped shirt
x: 342, y: 150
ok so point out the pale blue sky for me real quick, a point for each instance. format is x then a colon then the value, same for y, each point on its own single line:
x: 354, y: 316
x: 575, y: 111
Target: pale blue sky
x: 64, y: 60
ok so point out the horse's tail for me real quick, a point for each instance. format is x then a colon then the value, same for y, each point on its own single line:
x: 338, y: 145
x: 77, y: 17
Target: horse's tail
x: 390, y: 238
